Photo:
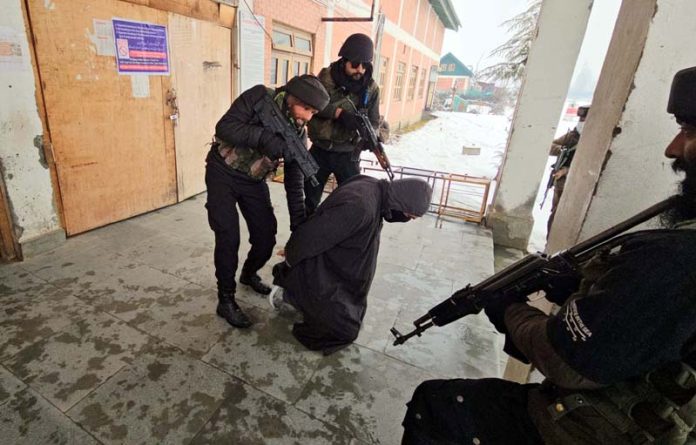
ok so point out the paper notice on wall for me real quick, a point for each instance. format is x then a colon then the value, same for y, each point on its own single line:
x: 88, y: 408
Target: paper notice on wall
x: 252, y: 43
x: 140, y: 85
x: 103, y: 37
x: 13, y: 57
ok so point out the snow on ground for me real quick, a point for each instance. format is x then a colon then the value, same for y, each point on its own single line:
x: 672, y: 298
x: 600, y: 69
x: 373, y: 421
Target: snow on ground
x: 438, y: 145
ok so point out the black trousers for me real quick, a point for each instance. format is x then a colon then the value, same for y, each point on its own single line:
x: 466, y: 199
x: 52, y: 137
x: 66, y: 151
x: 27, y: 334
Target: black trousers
x: 341, y: 164
x: 226, y: 190
x: 494, y: 411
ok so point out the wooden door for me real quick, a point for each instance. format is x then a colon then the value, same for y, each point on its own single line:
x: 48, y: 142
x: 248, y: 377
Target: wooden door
x: 201, y: 76
x: 9, y: 248
x: 111, y: 134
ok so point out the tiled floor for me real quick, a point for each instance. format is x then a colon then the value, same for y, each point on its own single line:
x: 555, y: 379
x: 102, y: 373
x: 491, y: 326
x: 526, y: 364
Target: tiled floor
x: 112, y: 338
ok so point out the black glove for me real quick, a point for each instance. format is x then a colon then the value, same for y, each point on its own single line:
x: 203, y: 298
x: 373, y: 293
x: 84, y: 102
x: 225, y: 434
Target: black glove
x: 271, y: 145
x: 280, y: 270
x: 496, y: 306
x: 560, y: 287
x: 349, y: 120
x: 495, y: 310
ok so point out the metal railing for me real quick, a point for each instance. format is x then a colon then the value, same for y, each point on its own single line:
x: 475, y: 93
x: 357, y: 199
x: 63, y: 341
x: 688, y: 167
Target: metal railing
x: 461, y: 197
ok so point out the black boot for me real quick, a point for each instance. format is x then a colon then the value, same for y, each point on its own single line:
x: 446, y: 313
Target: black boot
x: 229, y: 310
x: 254, y: 281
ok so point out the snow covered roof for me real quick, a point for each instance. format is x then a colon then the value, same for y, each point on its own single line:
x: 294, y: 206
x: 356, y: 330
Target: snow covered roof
x: 445, y: 11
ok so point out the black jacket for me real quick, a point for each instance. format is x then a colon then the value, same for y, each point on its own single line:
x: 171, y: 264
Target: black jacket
x: 333, y: 257
x: 241, y: 128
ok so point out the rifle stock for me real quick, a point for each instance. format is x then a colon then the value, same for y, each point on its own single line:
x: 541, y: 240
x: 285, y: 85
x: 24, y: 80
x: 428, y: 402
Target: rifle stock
x: 525, y: 276
x: 295, y: 149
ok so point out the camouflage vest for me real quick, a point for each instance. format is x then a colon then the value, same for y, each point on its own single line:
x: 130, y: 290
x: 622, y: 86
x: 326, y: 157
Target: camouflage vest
x: 250, y: 161
x: 324, y: 132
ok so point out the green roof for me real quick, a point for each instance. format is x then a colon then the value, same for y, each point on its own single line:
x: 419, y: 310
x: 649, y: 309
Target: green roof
x: 449, y: 61
x: 445, y: 11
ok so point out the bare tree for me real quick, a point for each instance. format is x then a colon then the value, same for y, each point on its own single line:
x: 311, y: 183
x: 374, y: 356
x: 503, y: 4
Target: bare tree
x: 515, y: 50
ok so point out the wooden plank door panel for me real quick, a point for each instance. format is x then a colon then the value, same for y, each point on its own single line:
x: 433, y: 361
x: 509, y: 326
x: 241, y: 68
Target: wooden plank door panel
x: 114, y: 152
x: 201, y: 75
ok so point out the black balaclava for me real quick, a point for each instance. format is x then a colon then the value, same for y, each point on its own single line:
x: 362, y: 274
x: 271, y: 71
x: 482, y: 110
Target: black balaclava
x: 407, y: 195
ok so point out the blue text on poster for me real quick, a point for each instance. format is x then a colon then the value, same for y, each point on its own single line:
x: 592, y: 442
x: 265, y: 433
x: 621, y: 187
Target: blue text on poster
x: 141, y: 48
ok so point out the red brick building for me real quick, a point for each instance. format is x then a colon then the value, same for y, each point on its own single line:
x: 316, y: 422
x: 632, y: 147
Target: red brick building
x: 409, y: 44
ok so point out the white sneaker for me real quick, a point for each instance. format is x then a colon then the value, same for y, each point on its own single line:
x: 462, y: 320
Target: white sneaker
x: 275, y: 298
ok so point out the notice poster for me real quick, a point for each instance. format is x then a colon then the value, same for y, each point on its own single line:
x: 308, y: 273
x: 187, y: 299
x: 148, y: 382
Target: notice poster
x: 141, y: 48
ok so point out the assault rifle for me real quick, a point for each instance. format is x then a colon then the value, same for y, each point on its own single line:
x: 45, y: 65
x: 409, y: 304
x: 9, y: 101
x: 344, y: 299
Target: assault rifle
x: 372, y: 143
x: 530, y: 274
x: 563, y: 160
x: 295, y: 150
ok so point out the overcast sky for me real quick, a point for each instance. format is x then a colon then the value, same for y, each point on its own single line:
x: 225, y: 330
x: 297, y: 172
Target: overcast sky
x: 481, y: 33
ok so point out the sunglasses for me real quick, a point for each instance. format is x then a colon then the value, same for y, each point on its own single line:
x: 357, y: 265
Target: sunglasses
x: 357, y: 63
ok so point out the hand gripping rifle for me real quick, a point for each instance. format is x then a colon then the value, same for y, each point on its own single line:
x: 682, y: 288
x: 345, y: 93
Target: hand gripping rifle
x: 295, y: 150
x: 526, y: 275
x: 372, y: 143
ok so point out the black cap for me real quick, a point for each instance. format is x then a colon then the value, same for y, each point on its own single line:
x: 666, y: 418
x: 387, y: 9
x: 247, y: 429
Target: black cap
x: 309, y: 90
x: 582, y: 111
x: 357, y: 47
x: 682, y: 98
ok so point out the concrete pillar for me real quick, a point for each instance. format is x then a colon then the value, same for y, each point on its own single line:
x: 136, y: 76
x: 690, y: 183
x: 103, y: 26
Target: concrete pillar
x: 561, y: 29
x: 614, y: 177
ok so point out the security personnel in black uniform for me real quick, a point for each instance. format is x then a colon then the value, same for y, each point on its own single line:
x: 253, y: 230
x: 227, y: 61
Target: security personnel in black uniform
x: 240, y: 160
x: 333, y: 130
x: 618, y: 357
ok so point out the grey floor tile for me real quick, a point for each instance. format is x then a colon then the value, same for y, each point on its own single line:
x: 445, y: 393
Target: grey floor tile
x: 363, y: 392
x: 9, y: 385
x: 37, y: 314
x: 248, y: 416
x: 28, y: 419
x: 14, y: 278
x: 182, y: 317
x: 266, y: 356
x: 66, y: 367
x: 160, y: 398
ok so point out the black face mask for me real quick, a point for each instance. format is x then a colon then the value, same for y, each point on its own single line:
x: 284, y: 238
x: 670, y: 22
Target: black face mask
x: 397, y: 216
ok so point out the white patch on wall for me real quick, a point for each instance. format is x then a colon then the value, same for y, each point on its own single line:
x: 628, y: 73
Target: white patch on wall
x: 103, y: 37
x: 252, y: 47
x: 140, y: 85
x: 12, y: 56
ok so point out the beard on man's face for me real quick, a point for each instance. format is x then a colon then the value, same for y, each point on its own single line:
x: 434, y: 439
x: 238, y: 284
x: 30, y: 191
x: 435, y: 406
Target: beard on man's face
x: 685, y: 201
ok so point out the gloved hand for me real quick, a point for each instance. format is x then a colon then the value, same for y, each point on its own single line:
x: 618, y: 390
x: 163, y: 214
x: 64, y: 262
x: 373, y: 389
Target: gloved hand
x: 349, y: 120
x: 280, y: 271
x: 271, y: 145
x: 557, y: 289
x: 495, y: 310
x: 496, y: 306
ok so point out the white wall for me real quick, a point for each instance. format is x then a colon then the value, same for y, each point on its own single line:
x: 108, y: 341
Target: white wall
x: 637, y: 174
x: 25, y: 172
x: 549, y: 70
